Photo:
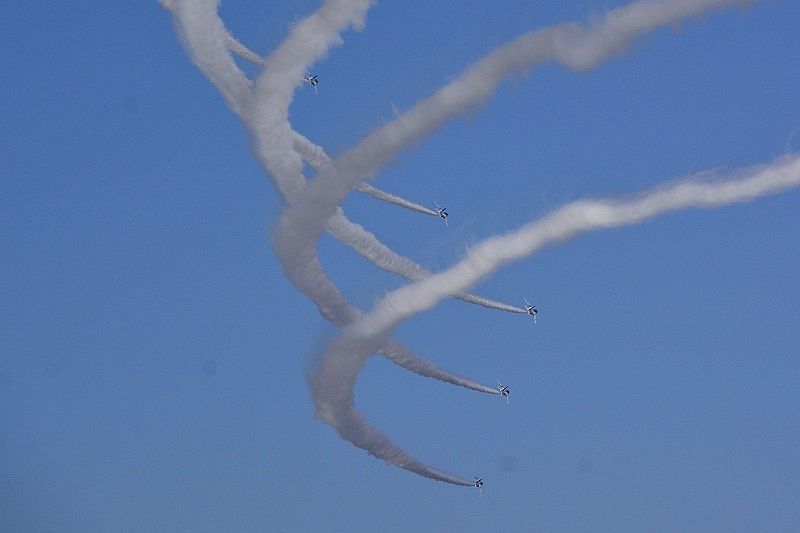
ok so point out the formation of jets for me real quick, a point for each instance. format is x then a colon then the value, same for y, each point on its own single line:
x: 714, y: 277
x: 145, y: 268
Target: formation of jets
x: 311, y: 80
x: 504, y: 390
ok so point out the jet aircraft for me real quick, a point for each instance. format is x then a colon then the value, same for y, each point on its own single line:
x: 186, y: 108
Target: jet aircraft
x: 504, y: 391
x: 478, y: 483
x: 531, y: 309
x: 442, y: 212
x: 311, y: 80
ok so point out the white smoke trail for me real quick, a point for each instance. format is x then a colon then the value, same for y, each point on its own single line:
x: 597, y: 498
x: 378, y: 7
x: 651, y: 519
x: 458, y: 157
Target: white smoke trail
x: 312, y: 207
x: 315, y: 156
x: 569, y: 44
x: 572, y: 45
x: 273, y: 137
x: 196, y: 23
x: 369, y: 247
x: 402, y: 356
x: 573, y: 219
x: 332, y: 382
x: 333, y: 379
x: 302, y: 268
x: 306, y: 273
x: 203, y: 36
x: 241, y: 50
x: 321, y: 291
x: 366, y: 188
x: 273, y: 146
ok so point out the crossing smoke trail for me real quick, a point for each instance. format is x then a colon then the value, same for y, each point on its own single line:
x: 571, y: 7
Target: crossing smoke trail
x: 241, y: 50
x: 198, y: 22
x: 366, y: 245
x: 334, y: 377
x: 571, y: 220
x: 331, y: 303
x: 197, y: 19
x: 366, y: 188
x: 570, y: 44
x: 272, y: 135
x: 314, y: 283
x: 315, y: 156
x: 310, y: 151
x: 280, y: 159
x: 310, y: 208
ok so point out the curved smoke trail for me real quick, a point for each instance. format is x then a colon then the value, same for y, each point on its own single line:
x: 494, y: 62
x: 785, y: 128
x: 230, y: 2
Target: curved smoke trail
x: 315, y: 156
x: 241, y: 50
x: 311, y: 152
x: 365, y: 243
x: 310, y: 209
x: 203, y: 34
x: 333, y: 306
x: 207, y: 54
x: 570, y: 44
x: 200, y: 24
x: 571, y: 220
x: 378, y: 194
x: 334, y: 378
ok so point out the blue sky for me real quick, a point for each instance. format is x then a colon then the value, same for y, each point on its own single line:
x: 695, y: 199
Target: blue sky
x: 153, y: 359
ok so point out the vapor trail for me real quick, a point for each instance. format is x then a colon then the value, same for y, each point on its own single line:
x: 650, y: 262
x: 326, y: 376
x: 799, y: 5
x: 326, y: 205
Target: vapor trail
x: 235, y: 46
x: 276, y: 141
x: 704, y: 190
x: 333, y: 379
x: 204, y: 37
x: 332, y: 382
x: 366, y: 188
x: 201, y: 27
x: 315, y: 156
x: 204, y: 34
x: 308, y: 275
x: 308, y: 41
x: 368, y: 246
x: 571, y: 44
x: 310, y: 208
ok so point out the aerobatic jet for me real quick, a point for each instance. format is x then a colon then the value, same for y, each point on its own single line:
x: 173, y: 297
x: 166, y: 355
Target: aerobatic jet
x: 531, y: 309
x: 478, y: 483
x: 504, y: 391
x: 311, y: 80
x: 442, y: 212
